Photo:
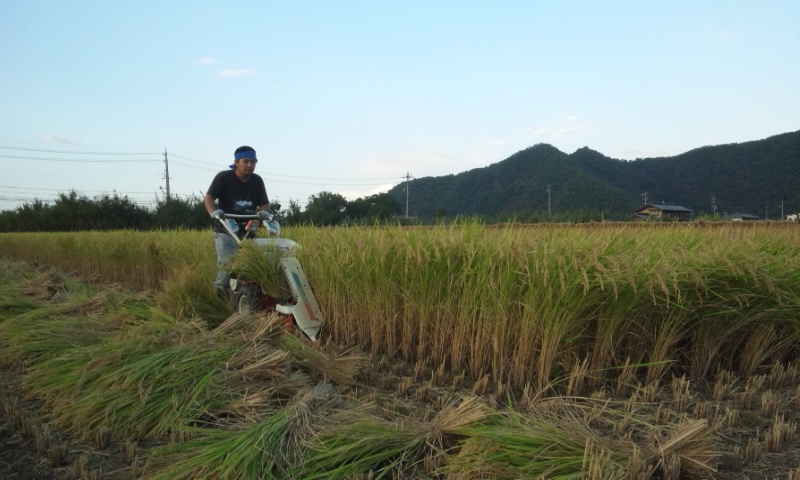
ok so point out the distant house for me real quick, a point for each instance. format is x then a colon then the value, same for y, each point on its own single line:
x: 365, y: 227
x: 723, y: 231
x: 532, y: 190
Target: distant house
x: 664, y: 212
x: 742, y: 217
x: 793, y: 218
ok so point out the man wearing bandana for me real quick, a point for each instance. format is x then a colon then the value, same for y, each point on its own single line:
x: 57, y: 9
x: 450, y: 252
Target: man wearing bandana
x: 235, y: 191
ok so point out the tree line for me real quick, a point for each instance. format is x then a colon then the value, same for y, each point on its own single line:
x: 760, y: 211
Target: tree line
x: 76, y: 212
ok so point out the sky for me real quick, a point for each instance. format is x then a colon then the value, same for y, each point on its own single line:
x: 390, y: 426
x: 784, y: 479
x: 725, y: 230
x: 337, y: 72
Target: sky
x: 353, y: 97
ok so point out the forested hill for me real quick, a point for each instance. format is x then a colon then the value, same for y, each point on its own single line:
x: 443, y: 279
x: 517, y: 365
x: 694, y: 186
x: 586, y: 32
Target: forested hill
x: 751, y: 177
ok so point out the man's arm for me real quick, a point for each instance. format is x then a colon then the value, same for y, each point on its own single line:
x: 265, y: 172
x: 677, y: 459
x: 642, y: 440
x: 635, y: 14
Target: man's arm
x: 208, y: 202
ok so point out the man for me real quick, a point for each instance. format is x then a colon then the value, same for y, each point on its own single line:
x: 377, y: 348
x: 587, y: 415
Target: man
x: 235, y: 191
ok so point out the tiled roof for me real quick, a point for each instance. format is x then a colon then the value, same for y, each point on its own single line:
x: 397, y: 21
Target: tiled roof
x: 744, y: 216
x: 668, y: 207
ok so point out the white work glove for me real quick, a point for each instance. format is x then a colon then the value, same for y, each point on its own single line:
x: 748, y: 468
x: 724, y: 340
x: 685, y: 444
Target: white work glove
x: 217, y: 214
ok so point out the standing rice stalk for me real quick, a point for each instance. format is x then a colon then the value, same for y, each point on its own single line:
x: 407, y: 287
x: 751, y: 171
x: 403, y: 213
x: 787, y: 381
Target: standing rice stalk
x: 518, y: 305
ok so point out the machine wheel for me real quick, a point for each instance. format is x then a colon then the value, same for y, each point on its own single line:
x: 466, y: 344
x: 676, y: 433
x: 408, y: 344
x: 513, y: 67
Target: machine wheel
x: 245, y: 298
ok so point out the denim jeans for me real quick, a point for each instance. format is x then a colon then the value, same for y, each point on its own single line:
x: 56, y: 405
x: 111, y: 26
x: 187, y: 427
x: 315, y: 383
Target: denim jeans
x: 225, y: 247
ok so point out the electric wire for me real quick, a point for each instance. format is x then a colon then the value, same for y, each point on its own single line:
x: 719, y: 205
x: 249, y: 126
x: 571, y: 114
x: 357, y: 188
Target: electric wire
x: 17, y: 193
x: 5, y: 147
x: 61, y: 189
x: 77, y: 160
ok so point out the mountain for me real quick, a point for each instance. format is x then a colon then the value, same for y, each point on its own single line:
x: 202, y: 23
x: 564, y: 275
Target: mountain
x: 751, y: 177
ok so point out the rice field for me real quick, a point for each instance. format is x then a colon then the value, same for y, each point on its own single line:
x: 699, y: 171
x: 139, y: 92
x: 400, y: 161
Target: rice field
x: 465, y: 351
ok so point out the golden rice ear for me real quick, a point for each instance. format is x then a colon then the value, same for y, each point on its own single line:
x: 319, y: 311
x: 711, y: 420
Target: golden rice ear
x: 255, y: 325
x: 261, y: 266
x: 691, y: 441
x: 337, y: 368
x: 260, y: 363
x: 233, y: 323
x: 310, y: 407
x: 460, y: 412
x: 269, y: 327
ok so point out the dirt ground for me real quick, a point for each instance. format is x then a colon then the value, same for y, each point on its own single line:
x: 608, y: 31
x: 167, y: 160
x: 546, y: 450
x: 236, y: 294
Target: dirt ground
x: 29, y: 446
x: 18, y: 456
x: 20, y: 459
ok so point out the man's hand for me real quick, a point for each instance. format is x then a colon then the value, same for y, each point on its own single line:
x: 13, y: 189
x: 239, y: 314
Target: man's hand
x: 264, y: 215
x: 217, y: 214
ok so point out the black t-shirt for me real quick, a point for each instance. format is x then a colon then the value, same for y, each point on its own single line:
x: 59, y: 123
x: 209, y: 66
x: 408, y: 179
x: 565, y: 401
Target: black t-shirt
x: 237, y: 197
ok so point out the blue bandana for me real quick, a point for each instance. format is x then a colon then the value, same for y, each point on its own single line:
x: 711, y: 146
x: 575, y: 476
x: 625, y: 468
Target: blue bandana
x: 245, y: 154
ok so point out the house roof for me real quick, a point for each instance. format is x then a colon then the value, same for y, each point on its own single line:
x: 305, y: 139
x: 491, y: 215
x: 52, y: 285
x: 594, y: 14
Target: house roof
x: 667, y: 207
x: 744, y: 216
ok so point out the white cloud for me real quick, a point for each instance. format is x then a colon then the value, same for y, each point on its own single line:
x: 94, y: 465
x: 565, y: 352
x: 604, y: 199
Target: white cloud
x: 572, y: 126
x: 484, y: 159
x: 351, y: 195
x: 398, y: 164
x: 425, y: 164
x: 723, y: 37
x: 208, y: 61
x: 61, y: 140
x: 235, y: 72
x: 632, y: 152
x: 629, y: 153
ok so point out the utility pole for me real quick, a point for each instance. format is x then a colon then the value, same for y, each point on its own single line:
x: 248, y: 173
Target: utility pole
x: 714, y: 205
x: 766, y: 212
x: 782, y: 216
x: 166, y: 172
x: 408, y: 178
x: 548, y: 202
x: 644, y: 197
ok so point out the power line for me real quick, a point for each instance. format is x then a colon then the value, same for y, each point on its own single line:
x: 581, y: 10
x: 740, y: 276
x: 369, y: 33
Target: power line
x: 189, y: 162
x: 76, y: 160
x: 365, y: 179
x: 62, y: 189
x: 77, y: 153
x: 16, y: 199
x: 296, y: 179
x: 53, y: 196
x: 301, y: 180
x: 205, y: 169
x: 211, y: 166
x: 338, y: 183
x: 292, y: 177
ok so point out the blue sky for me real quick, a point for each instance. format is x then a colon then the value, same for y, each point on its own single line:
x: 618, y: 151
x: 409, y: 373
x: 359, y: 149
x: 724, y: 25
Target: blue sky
x: 350, y: 96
